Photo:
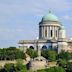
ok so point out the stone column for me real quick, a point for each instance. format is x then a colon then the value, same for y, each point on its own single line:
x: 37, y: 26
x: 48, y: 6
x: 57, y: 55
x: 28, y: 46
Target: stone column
x: 39, y: 51
x: 44, y: 31
x: 24, y: 48
x: 55, y: 32
x: 47, y: 32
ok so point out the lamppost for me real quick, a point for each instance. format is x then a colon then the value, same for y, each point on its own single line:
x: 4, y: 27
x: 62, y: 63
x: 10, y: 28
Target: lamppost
x: 38, y: 50
x: 24, y: 47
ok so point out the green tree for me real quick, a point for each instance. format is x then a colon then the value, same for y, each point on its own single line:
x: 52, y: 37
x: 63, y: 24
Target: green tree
x: 55, y: 69
x: 52, y: 55
x: 12, y: 48
x: 59, y: 69
x: 20, y: 55
x: 69, y: 67
x: 65, y: 55
x: 32, y: 53
x: 50, y: 70
x: 49, y: 54
x: 20, y: 67
x: 11, y: 53
x: 62, y: 62
x: 9, y: 67
x: 41, y: 71
x: 44, y: 53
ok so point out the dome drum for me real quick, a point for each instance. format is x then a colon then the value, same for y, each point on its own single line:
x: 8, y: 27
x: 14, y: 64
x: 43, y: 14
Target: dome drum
x: 49, y: 27
x: 50, y: 24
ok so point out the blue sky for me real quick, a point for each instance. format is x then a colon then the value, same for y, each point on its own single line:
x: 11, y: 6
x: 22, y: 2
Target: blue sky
x: 19, y: 18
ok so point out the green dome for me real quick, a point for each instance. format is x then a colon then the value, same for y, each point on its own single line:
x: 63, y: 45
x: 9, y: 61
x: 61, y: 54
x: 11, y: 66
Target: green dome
x: 50, y: 17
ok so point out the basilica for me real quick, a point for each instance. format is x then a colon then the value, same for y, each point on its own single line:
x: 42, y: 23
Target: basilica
x: 52, y: 35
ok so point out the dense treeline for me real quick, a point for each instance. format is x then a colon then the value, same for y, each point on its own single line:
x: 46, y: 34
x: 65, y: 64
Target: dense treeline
x: 53, y: 69
x: 64, y: 60
x: 65, y: 55
x: 11, y: 53
x: 49, y: 54
x: 68, y: 68
x: 18, y: 67
x: 53, y: 55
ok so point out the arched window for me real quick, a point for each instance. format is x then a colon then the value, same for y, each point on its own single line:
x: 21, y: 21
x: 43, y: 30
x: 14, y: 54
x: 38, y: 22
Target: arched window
x: 51, y: 33
x: 31, y: 47
x: 44, y: 47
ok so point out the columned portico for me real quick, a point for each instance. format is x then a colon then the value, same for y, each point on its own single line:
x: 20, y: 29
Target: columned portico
x: 49, y: 30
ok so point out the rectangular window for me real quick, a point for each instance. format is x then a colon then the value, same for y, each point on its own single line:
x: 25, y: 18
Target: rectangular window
x: 51, y: 33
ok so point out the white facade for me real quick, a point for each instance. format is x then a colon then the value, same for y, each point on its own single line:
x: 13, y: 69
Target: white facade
x: 52, y: 35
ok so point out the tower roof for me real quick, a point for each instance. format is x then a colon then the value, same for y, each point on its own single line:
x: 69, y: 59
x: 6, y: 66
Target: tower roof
x: 62, y: 28
x: 50, y: 17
